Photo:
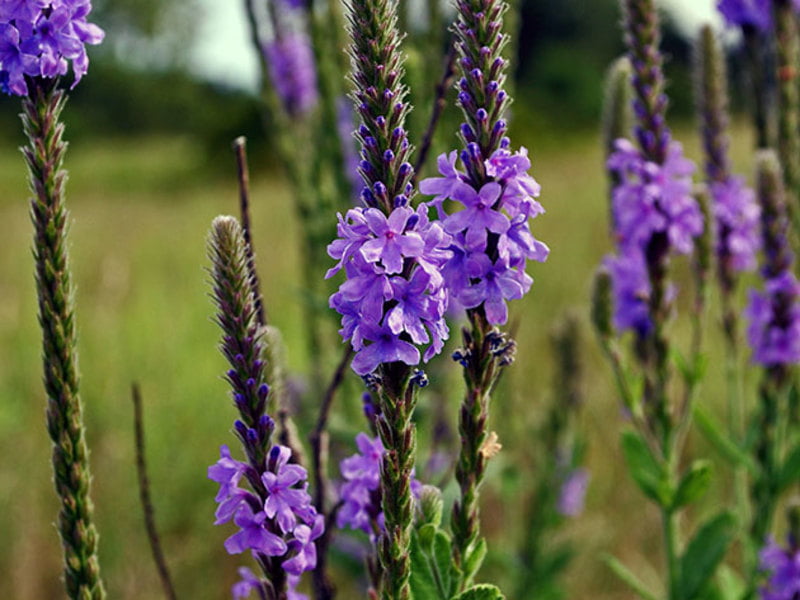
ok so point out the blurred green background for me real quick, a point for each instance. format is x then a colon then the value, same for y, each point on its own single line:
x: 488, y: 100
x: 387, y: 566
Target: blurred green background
x: 150, y: 166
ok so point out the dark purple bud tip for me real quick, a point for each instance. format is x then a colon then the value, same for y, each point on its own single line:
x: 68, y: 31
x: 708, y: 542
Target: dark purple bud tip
x: 476, y: 74
x: 419, y: 378
x: 263, y: 390
x: 412, y: 222
x: 366, y: 166
x: 258, y: 364
x: 481, y: 115
x: 266, y: 423
x: 231, y: 374
x: 505, y: 143
x: 379, y: 188
x: 405, y: 170
x: 388, y: 156
x: 398, y: 133
x: 380, y: 121
x: 474, y: 152
x: 462, y: 83
x: 372, y: 381
x: 239, y: 358
x: 363, y: 131
x: 370, y: 142
x: 468, y: 133
x: 240, y: 428
x: 400, y: 200
x: 461, y: 356
x: 239, y: 399
x: 368, y: 198
x: 499, y: 126
x: 252, y: 436
x: 251, y: 382
x: 492, y: 87
x: 388, y: 94
x: 464, y: 98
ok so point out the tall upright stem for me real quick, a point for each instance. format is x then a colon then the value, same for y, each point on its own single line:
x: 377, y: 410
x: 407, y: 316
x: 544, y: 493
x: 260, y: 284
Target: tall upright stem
x: 44, y: 156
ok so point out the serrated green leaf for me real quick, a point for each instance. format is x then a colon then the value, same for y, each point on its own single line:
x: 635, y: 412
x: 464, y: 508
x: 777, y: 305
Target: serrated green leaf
x: 704, y: 553
x: 694, y: 484
x: 790, y: 470
x: 726, y: 447
x: 483, y: 591
x: 627, y: 576
x: 441, y: 564
x: 645, y: 470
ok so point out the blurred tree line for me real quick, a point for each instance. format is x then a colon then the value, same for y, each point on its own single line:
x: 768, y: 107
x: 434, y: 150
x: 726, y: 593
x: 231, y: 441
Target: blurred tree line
x: 140, y: 84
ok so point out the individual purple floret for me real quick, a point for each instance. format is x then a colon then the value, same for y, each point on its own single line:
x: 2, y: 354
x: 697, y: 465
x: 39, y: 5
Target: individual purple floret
x: 783, y: 568
x: 293, y: 72
x: 572, y: 495
x: 39, y: 38
x: 737, y: 215
x: 492, y: 241
x: 279, y: 521
x: 360, y: 493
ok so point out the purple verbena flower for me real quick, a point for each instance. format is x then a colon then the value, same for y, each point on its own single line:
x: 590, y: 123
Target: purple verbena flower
x: 737, y: 216
x: 573, y: 493
x: 360, y: 492
x: 653, y: 198
x: 284, y: 498
x: 491, y: 238
x: 783, y: 569
x: 41, y: 37
x: 774, y: 316
x: 631, y: 289
x: 293, y: 72
x: 253, y: 534
x: 248, y: 582
x: 749, y: 13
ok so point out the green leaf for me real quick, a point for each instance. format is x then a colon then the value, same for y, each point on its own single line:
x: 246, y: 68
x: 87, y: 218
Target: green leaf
x: 442, y: 564
x: 694, y: 484
x: 645, y: 470
x: 483, y: 591
x: 726, y: 447
x: 423, y: 584
x: 704, y: 553
x: 731, y: 585
x: 627, y: 576
x: 426, y: 535
x: 474, y: 560
x: 790, y: 470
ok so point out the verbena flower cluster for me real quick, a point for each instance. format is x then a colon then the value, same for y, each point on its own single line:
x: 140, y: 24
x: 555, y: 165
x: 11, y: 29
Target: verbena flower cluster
x: 650, y: 199
x: 360, y: 493
x: 783, y: 567
x: 394, y: 298
x: 749, y: 13
x: 39, y: 38
x: 774, y: 321
x: 737, y: 215
x: 491, y: 237
x: 285, y: 525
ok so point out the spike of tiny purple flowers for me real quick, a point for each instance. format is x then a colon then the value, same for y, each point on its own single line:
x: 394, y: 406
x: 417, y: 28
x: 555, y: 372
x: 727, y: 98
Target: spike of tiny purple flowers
x: 292, y: 70
x: 782, y: 567
x: 40, y: 38
x: 265, y: 496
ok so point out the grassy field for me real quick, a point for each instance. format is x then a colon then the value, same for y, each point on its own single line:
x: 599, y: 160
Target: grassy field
x: 140, y: 212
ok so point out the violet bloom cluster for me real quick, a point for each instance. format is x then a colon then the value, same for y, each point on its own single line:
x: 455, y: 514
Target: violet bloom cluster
x: 39, y: 38
x: 737, y: 215
x: 774, y: 321
x: 650, y: 200
x: 293, y: 72
x: 279, y: 521
x: 360, y: 493
x: 783, y: 567
x: 491, y: 237
x: 393, y: 298
x: 749, y: 13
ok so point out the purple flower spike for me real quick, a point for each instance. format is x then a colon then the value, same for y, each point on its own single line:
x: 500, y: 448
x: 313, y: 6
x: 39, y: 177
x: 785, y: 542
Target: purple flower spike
x: 631, y: 286
x: 749, y: 13
x: 775, y: 336
x: 291, y: 66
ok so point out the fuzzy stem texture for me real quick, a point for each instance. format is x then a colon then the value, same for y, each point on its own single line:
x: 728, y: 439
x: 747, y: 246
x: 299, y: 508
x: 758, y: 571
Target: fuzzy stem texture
x: 44, y: 156
x: 617, y: 120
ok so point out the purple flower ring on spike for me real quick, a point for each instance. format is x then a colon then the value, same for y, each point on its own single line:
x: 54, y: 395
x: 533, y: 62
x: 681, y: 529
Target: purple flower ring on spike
x: 41, y: 38
x: 491, y: 237
x: 248, y: 582
x: 783, y: 569
x: 360, y: 492
x: 254, y: 534
x: 631, y: 287
x: 652, y: 198
x: 738, y: 223
x: 774, y: 316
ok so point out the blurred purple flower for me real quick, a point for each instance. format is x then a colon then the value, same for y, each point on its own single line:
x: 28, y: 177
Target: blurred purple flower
x: 573, y: 493
x: 631, y: 286
x: 293, y: 72
x: 782, y: 566
x: 774, y: 315
x: 737, y: 215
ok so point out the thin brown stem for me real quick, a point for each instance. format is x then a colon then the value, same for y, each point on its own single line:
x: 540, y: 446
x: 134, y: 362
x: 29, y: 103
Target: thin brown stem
x: 147, y: 501
x: 243, y: 172
x: 320, y: 447
x: 440, y: 103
